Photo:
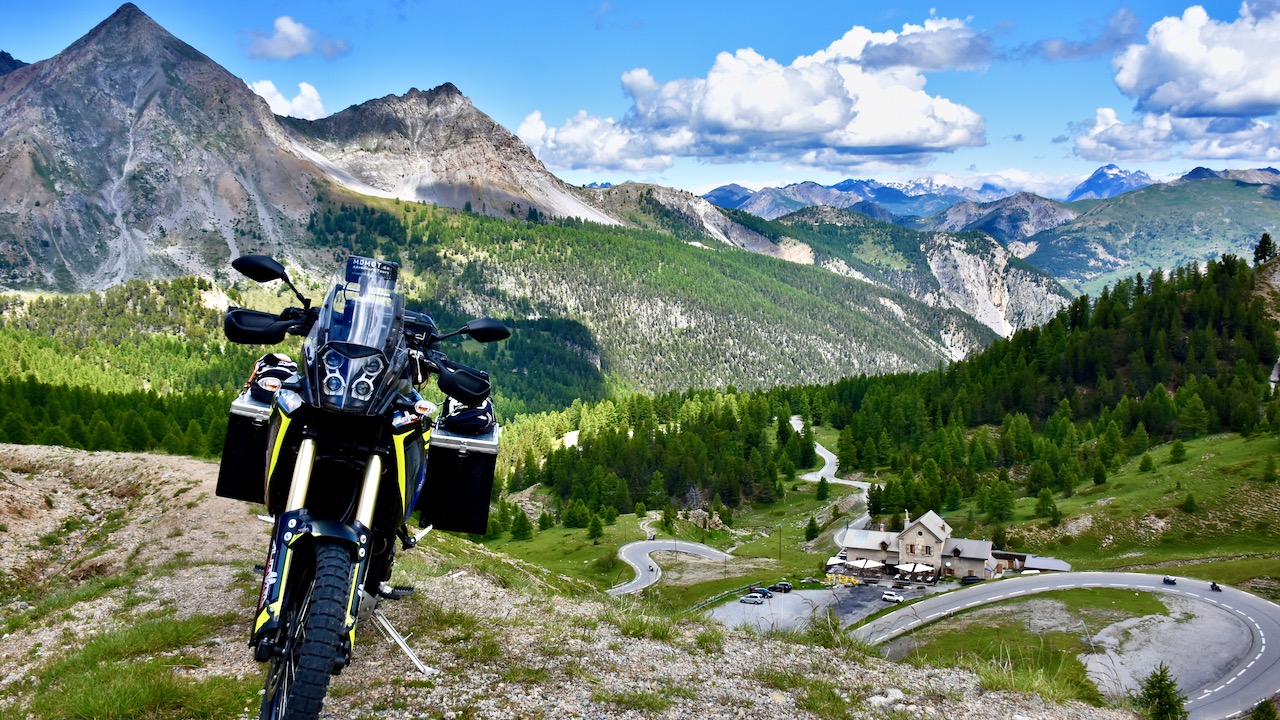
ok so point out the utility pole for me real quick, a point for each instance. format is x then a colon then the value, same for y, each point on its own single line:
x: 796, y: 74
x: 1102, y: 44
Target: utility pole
x: 779, y: 542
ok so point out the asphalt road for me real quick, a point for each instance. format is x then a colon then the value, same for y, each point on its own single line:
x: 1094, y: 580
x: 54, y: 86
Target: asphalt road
x: 828, y: 471
x: 1254, y: 676
x: 647, y: 571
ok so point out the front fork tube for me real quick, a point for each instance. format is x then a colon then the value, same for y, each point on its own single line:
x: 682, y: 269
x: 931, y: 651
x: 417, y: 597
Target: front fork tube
x: 364, y: 521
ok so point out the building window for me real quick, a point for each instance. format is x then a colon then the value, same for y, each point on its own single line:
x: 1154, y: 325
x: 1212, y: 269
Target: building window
x: 911, y: 549
x: 928, y: 549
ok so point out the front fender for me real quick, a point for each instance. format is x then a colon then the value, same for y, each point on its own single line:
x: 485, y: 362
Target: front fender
x: 322, y: 528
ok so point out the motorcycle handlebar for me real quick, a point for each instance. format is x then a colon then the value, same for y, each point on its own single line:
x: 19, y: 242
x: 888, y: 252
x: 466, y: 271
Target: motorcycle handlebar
x: 244, y: 326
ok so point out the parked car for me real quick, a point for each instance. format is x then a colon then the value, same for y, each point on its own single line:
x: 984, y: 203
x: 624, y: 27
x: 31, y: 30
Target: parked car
x: 970, y: 579
x: 891, y: 596
x: 752, y: 598
x: 783, y: 586
x: 763, y: 592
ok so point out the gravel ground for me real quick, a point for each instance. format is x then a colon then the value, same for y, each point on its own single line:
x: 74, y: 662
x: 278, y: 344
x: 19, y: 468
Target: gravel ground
x: 502, y: 648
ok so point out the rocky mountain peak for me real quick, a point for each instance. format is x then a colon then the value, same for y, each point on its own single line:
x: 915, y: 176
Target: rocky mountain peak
x: 1109, y: 181
x: 9, y: 63
x: 132, y: 154
x: 436, y: 146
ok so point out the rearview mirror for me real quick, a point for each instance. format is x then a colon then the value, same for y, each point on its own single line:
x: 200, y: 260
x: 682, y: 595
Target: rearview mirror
x: 486, y: 330
x: 259, y: 268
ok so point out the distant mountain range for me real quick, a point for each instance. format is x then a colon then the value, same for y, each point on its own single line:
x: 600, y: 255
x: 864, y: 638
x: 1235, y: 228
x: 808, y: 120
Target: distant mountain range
x: 1117, y: 223
x: 921, y: 197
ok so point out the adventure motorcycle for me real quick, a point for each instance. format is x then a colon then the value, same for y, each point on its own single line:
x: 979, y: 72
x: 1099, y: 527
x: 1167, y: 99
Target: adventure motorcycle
x: 342, y: 449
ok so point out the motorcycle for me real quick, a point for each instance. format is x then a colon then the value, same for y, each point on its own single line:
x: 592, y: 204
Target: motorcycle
x: 342, y: 449
x: 1169, y: 581
x: 1214, y: 587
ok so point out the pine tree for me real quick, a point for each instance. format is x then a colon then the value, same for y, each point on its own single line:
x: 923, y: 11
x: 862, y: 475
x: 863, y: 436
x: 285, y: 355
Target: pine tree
x: 595, y: 528
x: 1139, y: 441
x: 1177, y: 452
x: 874, y: 494
x: 545, y: 521
x: 1160, y: 697
x: 811, y: 531
x: 521, y: 527
x: 1000, y: 502
x: 1264, y: 250
x: 1146, y: 464
x: 824, y: 489
x: 1045, y: 506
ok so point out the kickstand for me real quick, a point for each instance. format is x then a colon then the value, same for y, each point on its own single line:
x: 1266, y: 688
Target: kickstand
x: 387, y: 629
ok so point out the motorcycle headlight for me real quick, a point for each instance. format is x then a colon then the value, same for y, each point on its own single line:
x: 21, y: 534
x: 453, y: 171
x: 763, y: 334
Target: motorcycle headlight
x: 350, y: 383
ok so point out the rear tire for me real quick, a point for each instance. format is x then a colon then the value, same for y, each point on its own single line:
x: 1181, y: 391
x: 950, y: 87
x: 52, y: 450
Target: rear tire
x: 298, y: 678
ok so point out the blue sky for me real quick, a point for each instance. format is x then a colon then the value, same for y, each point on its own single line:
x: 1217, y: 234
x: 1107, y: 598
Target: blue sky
x: 699, y: 94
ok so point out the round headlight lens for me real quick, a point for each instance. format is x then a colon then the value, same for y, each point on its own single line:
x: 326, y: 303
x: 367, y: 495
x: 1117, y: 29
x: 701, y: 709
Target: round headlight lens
x: 373, y: 366
x: 333, y: 360
x: 362, y: 390
x: 333, y: 385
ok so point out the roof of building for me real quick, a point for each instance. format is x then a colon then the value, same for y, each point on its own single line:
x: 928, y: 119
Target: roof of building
x: 870, y: 540
x: 972, y: 549
x: 1039, y: 562
x: 934, y: 523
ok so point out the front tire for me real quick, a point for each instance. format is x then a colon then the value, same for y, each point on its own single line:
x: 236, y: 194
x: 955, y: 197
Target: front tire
x: 298, y: 677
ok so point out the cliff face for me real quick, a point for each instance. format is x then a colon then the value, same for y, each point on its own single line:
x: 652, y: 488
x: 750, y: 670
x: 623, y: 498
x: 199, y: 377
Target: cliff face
x: 991, y: 286
x: 971, y: 272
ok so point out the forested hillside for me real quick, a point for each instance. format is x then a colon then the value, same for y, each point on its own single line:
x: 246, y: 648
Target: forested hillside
x: 1151, y: 360
x: 663, y: 313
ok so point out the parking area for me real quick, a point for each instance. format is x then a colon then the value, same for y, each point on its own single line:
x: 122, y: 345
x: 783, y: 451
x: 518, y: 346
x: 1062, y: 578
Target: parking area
x: 793, y: 610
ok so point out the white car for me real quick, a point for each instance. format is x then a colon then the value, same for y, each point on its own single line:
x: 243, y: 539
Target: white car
x: 891, y: 596
x: 752, y: 598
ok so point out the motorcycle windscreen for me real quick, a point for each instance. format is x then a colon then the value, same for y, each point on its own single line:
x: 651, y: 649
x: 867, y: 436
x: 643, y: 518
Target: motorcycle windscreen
x: 353, y: 352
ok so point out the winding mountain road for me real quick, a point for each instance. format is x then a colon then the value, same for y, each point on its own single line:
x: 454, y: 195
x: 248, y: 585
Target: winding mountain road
x: 1256, y: 675
x: 828, y: 471
x: 648, y: 572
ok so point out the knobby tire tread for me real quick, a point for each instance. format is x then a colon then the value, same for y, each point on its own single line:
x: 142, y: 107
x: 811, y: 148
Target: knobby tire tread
x: 322, y: 643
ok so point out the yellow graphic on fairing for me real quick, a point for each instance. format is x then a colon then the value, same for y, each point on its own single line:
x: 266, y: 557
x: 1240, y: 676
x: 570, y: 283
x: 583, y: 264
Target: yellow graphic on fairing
x: 280, y: 427
x: 402, y: 481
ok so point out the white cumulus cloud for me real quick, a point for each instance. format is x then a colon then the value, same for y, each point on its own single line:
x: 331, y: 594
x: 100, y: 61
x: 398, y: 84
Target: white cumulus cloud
x: 1195, y: 66
x: 1161, y: 136
x: 860, y: 100
x: 292, y: 39
x: 1203, y: 89
x: 306, y: 104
